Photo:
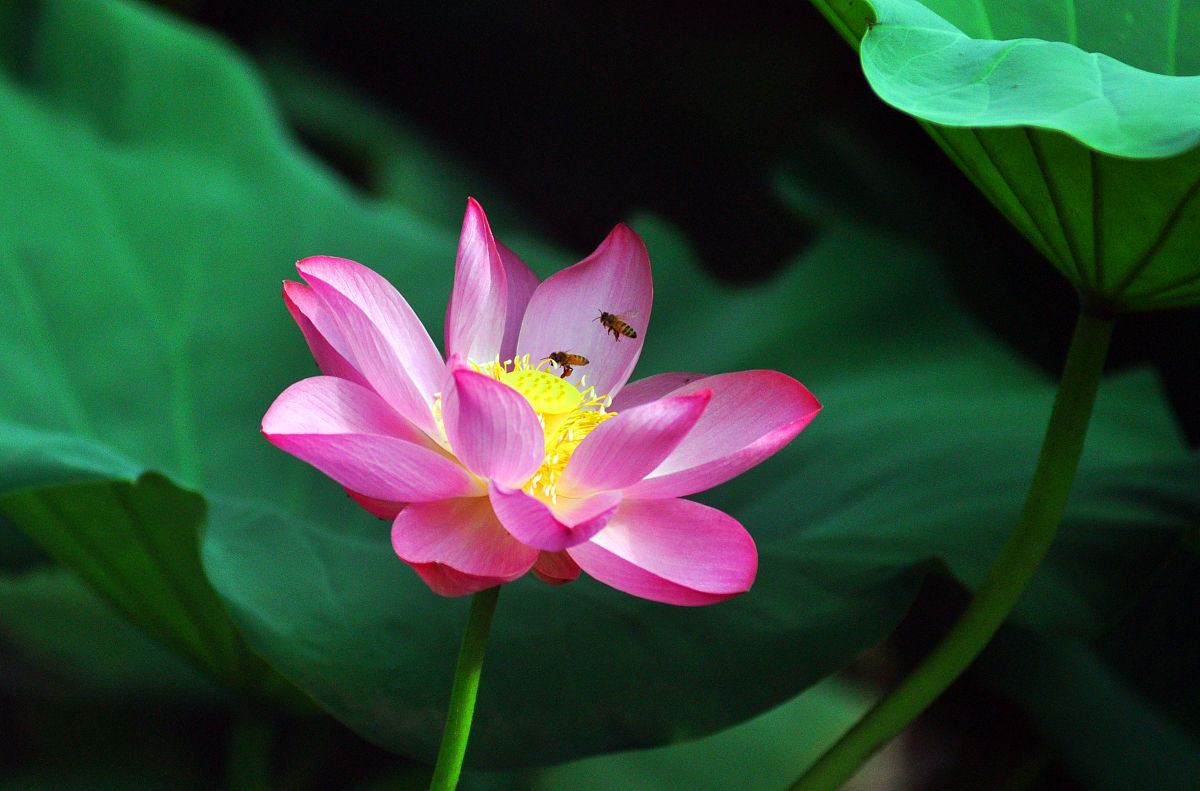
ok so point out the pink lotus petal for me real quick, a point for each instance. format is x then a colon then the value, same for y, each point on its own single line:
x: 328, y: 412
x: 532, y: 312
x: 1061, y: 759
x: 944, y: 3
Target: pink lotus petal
x: 673, y: 551
x: 552, y: 528
x: 383, y: 509
x: 349, y: 433
x: 445, y: 581
x: 459, y: 545
x: 475, y: 315
x: 522, y: 282
x: 555, y: 568
x: 385, y: 338
x: 563, y: 312
x: 492, y: 428
x: 752, y: 415
x: 652, y: 388
x: 320, y: 331
x: 332, y: 405
x: 624, y: 449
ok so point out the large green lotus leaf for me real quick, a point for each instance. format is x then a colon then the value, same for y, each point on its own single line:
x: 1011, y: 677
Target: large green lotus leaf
x: 919, y: 461
x: 1110, y: 74
x: 1077, y: 119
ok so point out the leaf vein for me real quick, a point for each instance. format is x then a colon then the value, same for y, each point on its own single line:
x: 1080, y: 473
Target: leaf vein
x: 1074, y: 259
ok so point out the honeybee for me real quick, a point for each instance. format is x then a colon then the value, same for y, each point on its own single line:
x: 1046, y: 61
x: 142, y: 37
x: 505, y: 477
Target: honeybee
x: 615, y: 323
x: 567, y: 360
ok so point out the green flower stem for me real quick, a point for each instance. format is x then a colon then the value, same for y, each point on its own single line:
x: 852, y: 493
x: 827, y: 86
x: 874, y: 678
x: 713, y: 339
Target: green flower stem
x: 462, y: 695
x: 1008, y: 576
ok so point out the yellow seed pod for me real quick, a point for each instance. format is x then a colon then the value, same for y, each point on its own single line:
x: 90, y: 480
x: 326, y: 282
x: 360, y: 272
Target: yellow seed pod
x: 547, y: 393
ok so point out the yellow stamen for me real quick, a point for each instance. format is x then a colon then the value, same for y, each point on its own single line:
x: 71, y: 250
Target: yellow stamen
x: 566, y: 411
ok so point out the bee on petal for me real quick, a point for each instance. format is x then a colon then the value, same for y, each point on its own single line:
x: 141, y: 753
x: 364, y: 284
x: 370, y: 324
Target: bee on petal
x: 567, y: 361
x: 615, y: 323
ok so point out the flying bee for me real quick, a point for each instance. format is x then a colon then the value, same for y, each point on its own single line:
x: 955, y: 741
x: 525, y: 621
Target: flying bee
x: 615, y: 323
x: 567, y: 360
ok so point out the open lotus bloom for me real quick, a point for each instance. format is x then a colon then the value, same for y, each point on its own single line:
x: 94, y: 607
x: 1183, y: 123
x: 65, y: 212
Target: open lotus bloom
x: 525, y: 449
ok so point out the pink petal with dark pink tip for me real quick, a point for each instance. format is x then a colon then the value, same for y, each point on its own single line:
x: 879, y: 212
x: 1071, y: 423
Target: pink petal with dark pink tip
x: 386, y: 340
x: 522, y: 282
x: 563, y: 312
x: 321, y: 332
x: 492, y: 429
x: 475, y: 315
x: 384, y: 509
x: 445, y: 581
x: 625, y: 448
x: 551, y: 527
x: 461, y: 536
x: 555, y: 568
x: 349, y: 433
x: 752, y: 415
x: 672, y: 551
x: 652, y: 388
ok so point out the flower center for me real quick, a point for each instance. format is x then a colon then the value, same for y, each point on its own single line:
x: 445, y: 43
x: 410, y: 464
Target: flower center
x: 567, y: 413
x: 546, y: 393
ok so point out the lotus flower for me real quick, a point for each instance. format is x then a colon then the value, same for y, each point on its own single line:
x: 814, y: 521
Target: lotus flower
x: 525, y: 449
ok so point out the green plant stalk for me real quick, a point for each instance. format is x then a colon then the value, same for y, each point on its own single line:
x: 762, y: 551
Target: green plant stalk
x: 1006, y: 579
x: 462, y: 694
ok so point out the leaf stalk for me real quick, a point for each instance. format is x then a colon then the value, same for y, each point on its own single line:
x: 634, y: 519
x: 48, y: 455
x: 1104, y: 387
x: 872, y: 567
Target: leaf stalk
x: 1008, y: 576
